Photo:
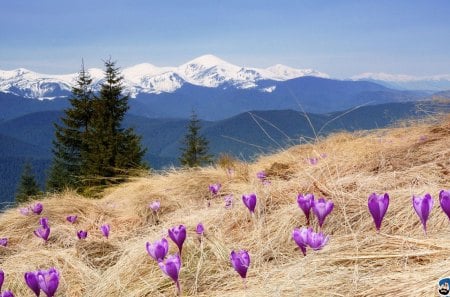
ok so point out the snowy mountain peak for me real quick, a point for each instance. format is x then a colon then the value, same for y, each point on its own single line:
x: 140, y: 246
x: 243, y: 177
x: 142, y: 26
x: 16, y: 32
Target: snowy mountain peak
x: 206, y: 71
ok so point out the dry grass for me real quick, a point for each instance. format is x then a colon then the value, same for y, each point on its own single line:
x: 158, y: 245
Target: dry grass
x: 400, y: 261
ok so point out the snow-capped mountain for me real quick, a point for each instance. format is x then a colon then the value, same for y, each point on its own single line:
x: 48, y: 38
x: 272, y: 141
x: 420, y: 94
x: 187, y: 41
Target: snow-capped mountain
x: 408, y: 82
x: 207, y: 71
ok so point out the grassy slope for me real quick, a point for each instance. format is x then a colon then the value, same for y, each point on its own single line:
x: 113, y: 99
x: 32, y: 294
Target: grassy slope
x: 356, y: 262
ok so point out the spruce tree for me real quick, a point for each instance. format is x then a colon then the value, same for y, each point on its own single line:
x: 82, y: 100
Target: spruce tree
x: 109, y: 146
x: 70, y: 143
x: 195, y: 146
x: 28, y: 186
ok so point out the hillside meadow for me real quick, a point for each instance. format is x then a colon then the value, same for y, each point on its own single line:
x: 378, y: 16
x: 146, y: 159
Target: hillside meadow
x: 411, y: 158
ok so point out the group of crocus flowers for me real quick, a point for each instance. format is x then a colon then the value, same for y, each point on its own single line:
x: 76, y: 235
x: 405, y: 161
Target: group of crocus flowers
x: 321, y: 208
x: 159, y: 249
x: 378, y: 205
x: 46, y: 281
x: 304, y: 236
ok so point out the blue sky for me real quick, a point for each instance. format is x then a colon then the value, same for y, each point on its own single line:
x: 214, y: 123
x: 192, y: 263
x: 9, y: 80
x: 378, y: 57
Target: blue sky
x: 341, y: 38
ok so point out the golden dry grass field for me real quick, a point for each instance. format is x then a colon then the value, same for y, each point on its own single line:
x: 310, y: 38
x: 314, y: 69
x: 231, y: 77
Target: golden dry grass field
x: 399, y: 261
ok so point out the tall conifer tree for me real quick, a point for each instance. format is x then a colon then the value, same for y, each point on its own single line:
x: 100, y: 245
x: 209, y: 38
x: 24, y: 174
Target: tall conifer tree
x: 110, y: 146
x: 70, y: 143
x: 195, y: 146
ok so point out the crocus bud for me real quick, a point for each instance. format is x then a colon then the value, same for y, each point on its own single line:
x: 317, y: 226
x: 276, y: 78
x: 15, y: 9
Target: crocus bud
x: 322, y: 209
x: 171, y: 267
x: 444, y: 200
x: 240, y: 261
x: 37, y: 208
x: 300, y: 237
x: 155, y: 205
x: 228, y: 201
x: 105, y: 230
x: 423, y: 206
x: 82, y: 234
x: 250, y: 201
x: 3, y: 241
x: 200, y: 229
x: 178, y: 235
x: 378, y: 205
x: 305, y: 204
x: 72, y: 219
x: 158, y: 250
x: 214, y: 188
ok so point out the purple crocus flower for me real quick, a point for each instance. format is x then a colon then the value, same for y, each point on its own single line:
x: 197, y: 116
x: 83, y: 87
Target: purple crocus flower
x: 378, y: 205
x: 172, y: 268
x: 215, y: 188
x: 32, y: 282
x: 3, y: 241
x: 240, y: 261
x: 178, y: 235
x: 250, y: 201
x: 42, y: 233
x: 305, y: 203
x: 158, y: 250
x: 313, y: 161
x: 105, y: 228
x: 200, y: 229
x: 7, y: 294
x: 321, y: 209
x: 228, y: 201
x: 48, y: 281
x: 44, y: 222
x: 261, y: 175
x: 37, y: 208
x: 155, y: 205
x: 444, y: 200
x: 423, y: 206
x: 300, y: 237
x: 82, y: 234
x: 25, y: 211
x: 317, y: 240
x: 72, y: 219
x: 2, y: 278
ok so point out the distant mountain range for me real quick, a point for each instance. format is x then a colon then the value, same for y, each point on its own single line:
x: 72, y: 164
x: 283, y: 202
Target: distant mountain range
x: 245, y: 135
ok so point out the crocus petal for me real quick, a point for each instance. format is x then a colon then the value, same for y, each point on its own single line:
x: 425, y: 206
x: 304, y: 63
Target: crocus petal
x: 317, y: 240
x: 44, y: 222
x: 32, y: 282
x: 2, y: 278
x: 378, y: 205
x: 155, y: 205
x: 240, y: 261
x: 7, y: 294
x: 37, y: 208
x: 444, y: 200
x: 3, y: 241
x: 42, y: 233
